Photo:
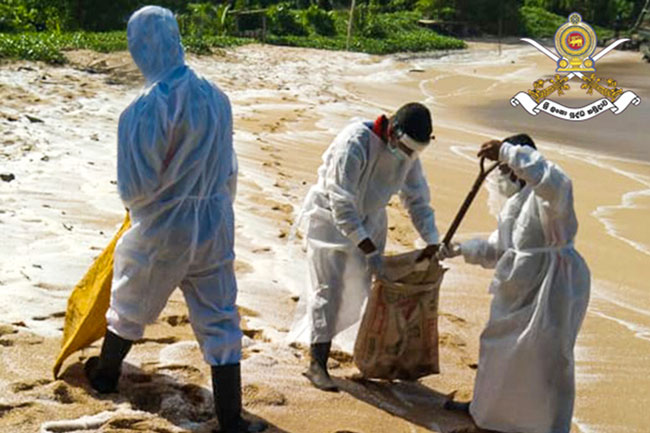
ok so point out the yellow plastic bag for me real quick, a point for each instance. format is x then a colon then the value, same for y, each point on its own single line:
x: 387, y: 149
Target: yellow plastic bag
x: 85, y: 320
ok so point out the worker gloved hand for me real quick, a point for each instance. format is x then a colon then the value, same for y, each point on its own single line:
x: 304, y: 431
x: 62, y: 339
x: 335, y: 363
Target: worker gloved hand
x: 427, y: 253
x: 376, y: 264
x: 448, y: 251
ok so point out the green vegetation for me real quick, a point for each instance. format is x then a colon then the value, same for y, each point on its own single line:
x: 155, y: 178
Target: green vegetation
x: 285, y: 22
x: 539, y: 23
x: 43, y: 29
x: 374, y: 34
x: 48, y: 46
x: 319, y: 21
x: 399, y: 43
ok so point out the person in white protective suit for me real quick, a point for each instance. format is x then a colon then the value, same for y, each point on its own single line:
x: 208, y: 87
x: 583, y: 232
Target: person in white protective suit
x: 525, y: 379
x: 366, y: 164
x: 176, y: 173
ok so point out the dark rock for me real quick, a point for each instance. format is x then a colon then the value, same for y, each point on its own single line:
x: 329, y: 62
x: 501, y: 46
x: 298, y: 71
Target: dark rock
x: 7, y: 177
x: 33, y: 119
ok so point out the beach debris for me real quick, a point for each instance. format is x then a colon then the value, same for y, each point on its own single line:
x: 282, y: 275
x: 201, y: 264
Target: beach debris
x: 91, y: 422
x: 68, y: 227
x: 34, y: 119
x: 45, y: 158
x: 416, y: 70
x: 7, y: 177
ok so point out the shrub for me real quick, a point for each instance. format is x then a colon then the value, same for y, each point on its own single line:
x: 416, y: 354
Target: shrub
x: 31, y: 46
x: 206, y: 19
x: 283, y: 21
x: 320, y: 21
x: 16, y: 16
x: 539, y: 23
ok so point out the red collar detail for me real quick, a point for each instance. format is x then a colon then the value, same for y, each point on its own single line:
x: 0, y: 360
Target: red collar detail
x: 380, y: 127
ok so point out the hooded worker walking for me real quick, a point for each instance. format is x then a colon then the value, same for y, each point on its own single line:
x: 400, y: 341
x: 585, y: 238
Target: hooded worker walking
x: 176, y: 173
x: 525, y: 380
x: 367, y: 163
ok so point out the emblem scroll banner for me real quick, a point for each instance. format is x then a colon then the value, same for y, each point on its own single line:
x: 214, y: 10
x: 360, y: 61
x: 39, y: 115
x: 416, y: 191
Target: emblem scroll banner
x: 575, y: 114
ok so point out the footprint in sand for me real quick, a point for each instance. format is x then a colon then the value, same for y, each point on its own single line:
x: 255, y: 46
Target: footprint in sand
x: 56, y: 315
x: 160, y: 340
x: 451, y: 340
x: 175, y: 402
x: 126, y: 423
x: 262, y: 395
x: 28, y: 386
x: 242, y: 267
x: 138, y: 377
x: 5, y: 408
x: 63, y: 394
x: 453, y: 318
x: 176, y: 320
x: 284, y: 208
x: 243, y: 311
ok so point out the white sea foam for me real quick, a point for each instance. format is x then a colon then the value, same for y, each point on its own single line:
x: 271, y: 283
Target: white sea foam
x: 602, y: 213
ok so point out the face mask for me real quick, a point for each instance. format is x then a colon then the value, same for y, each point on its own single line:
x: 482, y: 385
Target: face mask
x: 500, y: 188
x: 398, y: 153
x: 507, y: 187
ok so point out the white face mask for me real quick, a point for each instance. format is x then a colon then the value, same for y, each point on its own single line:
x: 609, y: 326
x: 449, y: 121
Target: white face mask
x: 500, y: 188
x: 398, y: 153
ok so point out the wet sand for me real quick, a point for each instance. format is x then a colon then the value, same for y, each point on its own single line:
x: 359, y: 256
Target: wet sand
x: 62, y: 208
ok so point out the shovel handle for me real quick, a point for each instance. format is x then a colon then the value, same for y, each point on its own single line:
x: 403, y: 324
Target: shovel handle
x: 468, y: 200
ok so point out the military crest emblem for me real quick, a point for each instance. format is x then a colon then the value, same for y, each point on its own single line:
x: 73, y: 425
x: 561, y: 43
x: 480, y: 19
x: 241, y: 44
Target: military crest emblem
x: 575, y: 44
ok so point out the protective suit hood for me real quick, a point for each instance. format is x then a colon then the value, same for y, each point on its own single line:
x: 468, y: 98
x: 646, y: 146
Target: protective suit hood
x: 155, y: 42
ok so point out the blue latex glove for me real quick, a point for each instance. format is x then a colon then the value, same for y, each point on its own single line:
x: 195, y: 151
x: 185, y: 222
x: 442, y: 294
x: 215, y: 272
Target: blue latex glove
x: 376, y: 264
x: 448, y: 251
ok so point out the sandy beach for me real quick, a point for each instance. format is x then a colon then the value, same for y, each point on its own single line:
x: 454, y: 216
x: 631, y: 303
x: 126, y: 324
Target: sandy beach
x: 58, y: 140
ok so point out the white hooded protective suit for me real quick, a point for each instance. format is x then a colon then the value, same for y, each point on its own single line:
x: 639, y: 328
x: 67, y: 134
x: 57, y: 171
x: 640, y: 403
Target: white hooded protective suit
x: 358, y: 177
x: 525, y: 379
x: 176, y: 172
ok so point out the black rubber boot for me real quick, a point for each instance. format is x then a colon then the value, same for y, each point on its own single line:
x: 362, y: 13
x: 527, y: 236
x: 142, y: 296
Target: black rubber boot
x: 460, y: 406
x: 226, y: 386
x: 317, y: 372
x: 103, y: 372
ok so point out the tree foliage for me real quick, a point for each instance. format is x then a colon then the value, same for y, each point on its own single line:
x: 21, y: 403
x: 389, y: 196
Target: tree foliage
x: 486, y: 15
